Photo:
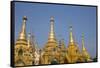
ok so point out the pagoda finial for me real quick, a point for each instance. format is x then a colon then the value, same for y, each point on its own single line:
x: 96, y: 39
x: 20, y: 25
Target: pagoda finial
x: 85, y: 53
x: 51, y: 34
x: 22, y: 34
x: 71, y: 40
x: 83, y: 47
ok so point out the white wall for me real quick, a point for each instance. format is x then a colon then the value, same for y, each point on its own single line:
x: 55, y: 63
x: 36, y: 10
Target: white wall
x: 5, y: 33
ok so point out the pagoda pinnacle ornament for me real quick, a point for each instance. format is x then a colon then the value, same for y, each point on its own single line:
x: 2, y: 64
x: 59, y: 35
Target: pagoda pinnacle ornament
x: 22, y: 35
x: 51, y: 37
x: 72, y: 49
x: 23, y: 47
x: 51, y: 47
x: 85, y: 54
x: 23, y: 30
x: 71, y: 40
x: 83, y: 47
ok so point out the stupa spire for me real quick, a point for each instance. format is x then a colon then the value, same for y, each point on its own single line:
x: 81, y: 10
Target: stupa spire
x: 51, y: 46
x: 83, y: 47
x: 22, y: 34
x: 84, y: 51
x: 71, y: 39
x: 52, y: 33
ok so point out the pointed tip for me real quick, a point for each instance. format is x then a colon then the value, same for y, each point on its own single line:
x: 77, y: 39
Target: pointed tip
x: 82, y: 35
x: 70, y: 27
x: 51, y: 33
x: 71, y: 35
x: 52, y: 18
x: 24, y: 17
x: 22, y: 34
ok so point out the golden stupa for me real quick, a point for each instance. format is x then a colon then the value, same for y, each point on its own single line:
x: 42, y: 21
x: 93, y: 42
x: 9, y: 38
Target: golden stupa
x: 85, y: 54
x: 51, y: 50
x: 27, y: 51
x: 73, y: 52
x: 23, y: 48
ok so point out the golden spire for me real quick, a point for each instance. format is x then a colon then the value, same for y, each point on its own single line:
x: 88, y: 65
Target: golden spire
x: 85, y: 53
x: 83, y: 47
x: 71, y: 40
x: 22, y: 34
x: 51, y: 34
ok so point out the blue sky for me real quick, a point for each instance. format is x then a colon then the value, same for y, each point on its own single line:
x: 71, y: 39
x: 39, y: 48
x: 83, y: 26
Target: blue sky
x: 82, y: 19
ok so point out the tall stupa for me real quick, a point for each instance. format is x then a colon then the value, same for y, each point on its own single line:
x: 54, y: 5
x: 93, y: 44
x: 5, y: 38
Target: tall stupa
x: 72, y: 49
x: 85, y: 53
x: 51, y: 50
x: 23, y: 53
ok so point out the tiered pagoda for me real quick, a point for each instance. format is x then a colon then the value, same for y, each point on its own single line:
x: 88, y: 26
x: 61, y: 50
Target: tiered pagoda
x: 27, y: 52
x: 51, y: 50
x: 24, y: 52
x: 73, y: 52
x: 85, y: 54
